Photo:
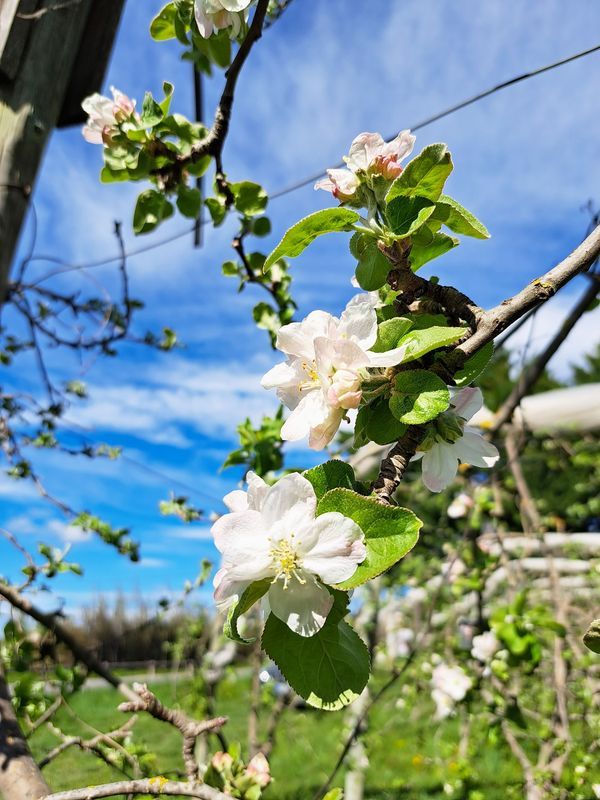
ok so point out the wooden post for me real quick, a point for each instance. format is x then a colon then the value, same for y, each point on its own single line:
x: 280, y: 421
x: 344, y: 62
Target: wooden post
x: 36, y: 64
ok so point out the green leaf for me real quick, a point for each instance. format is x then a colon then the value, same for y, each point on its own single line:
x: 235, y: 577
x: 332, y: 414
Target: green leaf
x: 474, y: 366
x: 458, y: 219
x: 380, y: 425
x: 390, y: 332
x: 390, y: 531
x: 152, y: 113
x: 247, y: 599
x: 162, y: 26
x: 165, y: 104
x: 151, y: 209
x: 330, y: 475
x: 406, y: 215
x: 373, y: 267
x: 189, y: 200
x: 261, y: 226
x: 219, y: 48
x: 300, y: 235
x: 330, y: 669
x: 217, y: 209
x: 419, y: 396
x: 421, y: 254
x: 230, y: 268
x: 420, y: 342
x: 250, y: 198
x: 424, y: 176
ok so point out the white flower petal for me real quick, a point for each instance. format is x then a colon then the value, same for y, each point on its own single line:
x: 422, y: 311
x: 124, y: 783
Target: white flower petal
x: 227, y: 590
x: 312, y: 410
x: 387, y: 359
x: 467, y: 402
x: 333, y: 354
x: 236, y: 501
x: 235, y: 5
x: 292, y: 494
x: 335, y: 547
x: 401, y: 146
x: 296, y: 339
x: 257, y: 490
x: 473, y: 449
x: 302, y: 606
x: 282, y: 374
x: 322, y: 434
x: 359, y: 321
x: 363, y: 150
x: 440, y: 465
x: 243, y: 540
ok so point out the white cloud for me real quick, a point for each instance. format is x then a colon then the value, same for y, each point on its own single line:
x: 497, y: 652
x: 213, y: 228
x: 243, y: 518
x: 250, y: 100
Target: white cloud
x: 211, y: 401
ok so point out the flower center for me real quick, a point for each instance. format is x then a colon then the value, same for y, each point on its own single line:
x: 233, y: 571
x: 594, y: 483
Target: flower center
x: 286, y: 561
x: 310, y: 369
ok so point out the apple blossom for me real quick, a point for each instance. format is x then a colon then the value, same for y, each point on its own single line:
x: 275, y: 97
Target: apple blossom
x: 485, y: 646
x: 369, y: 155
x: 450, y: 441
x: 105, y: 114
x: 327, y: 363
x: 450, y: 685
x: 272, y: 532
x: 215, y: 15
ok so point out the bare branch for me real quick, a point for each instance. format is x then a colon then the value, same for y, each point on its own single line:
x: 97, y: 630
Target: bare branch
x: 153, y: 786
x: 190, y: 729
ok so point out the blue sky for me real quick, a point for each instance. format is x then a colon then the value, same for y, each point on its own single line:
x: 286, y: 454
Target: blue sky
x: 526, y: 161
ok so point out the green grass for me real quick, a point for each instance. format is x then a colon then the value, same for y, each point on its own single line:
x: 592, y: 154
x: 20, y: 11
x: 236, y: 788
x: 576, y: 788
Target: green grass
x: 408, y: 759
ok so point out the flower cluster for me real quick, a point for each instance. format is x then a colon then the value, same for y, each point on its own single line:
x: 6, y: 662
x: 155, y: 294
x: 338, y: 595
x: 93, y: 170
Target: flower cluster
x: 228, y: 774
x: 450, y: 441
x: 105, y: 115
x: 369, y: 156
x: 327, y: 362
x: 272, y: 532
x: 216, y: 15
x: 450, y: 686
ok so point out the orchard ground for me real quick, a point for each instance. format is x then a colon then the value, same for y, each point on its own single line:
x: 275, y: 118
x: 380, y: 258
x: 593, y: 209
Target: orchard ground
x: 409, y: 757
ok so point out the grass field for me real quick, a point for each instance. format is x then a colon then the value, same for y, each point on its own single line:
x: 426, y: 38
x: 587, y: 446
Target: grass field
x: 408, y: 759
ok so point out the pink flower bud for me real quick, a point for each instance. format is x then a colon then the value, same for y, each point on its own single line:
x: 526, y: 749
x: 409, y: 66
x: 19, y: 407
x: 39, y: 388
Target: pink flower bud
x: 258, y: 768
x: 387, y: 166
x: 221, y: 761
x: 345, y: 391
x: 123, y: 106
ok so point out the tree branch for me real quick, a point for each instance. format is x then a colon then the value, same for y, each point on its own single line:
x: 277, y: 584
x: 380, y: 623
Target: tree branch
x: 189, y: 729
x: 20, y: 777
x: 150, y: 786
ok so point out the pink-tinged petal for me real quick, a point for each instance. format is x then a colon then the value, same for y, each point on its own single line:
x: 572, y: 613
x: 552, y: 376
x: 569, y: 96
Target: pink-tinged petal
x: 236, y: 501
x: 473, y: 449
x: 335, y: 548
x: 467, y: 402
x: 322, y: 434
x: 296, y: 339
x: 203, y: 20
x: 400, y: 147
x: 358, y: 321
x: 302, y: 606
x: 326, y: 184
x: 363, y: 150
x: 440, y: 465
x: 312, y: 410
x: 92, y: 135
x: 292, y: 494
x: 387, y: 359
